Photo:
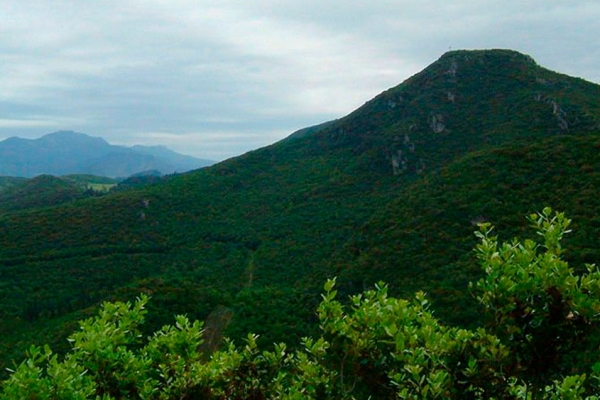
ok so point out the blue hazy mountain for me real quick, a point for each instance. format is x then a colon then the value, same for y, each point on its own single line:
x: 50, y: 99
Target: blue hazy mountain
x: 68, y: 152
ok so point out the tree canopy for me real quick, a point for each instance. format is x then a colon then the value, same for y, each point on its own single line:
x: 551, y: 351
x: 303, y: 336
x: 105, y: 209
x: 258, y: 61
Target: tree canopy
x: 540, y: 341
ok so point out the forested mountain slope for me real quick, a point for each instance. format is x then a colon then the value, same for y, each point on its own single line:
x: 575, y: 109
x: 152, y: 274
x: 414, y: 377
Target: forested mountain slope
x: 390, y: 192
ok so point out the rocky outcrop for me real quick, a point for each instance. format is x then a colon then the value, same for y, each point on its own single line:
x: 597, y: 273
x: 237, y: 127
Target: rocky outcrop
x: 436, y: 122
x: 451, y: 71
x: 404, y: 157
x: 399, y: 162
x: 557, y: 111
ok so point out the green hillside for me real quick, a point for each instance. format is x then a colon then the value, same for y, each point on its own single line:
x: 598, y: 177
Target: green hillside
x: 41, y: 191
x: 9, y: 181
x: 47, y: 190
x: 391, y: 192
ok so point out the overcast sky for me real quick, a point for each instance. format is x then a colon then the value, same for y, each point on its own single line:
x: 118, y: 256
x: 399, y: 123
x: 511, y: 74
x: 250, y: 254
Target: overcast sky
x: 215, y: 79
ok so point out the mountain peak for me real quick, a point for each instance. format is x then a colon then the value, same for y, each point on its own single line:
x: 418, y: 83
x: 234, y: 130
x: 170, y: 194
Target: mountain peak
x: 64, y: 134
x: 70, y: 136
x: 490, y: 56
x: 464, y: 101
x: 477, y: 66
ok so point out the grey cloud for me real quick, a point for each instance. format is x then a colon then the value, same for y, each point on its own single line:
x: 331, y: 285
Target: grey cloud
x: 218, y: 78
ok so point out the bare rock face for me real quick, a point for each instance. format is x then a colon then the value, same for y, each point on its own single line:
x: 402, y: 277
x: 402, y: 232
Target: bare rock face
x: 451, y: 71
x: 398, y: 163
x: 557, y: 111
x: 560, y: 115
x: 436, y: 123
x: 403, y: 156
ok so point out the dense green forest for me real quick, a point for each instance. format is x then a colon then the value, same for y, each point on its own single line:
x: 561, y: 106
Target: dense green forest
x: 540, y: 341
x: 391, y: 192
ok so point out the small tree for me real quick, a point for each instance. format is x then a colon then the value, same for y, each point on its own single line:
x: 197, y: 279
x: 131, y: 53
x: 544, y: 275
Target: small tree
x: 394, y: 348
x: 534, y: 301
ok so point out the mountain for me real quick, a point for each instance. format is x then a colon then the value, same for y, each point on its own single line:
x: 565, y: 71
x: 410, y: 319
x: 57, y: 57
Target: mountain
x: 41, y: 191
x: 49, y: 191
x: 67, y: 152
x: 391, y: 192
x: 10, y: 181
x: 169, y: 156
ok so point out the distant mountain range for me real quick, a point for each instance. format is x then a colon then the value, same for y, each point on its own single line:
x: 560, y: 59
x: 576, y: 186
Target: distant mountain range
x: 68, y: 152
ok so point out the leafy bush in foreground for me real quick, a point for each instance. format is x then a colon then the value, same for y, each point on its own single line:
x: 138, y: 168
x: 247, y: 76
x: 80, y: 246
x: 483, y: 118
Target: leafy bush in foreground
x: 538, y: 344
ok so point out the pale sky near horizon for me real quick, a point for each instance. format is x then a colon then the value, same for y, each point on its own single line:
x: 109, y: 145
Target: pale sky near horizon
x: 217, y: 78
